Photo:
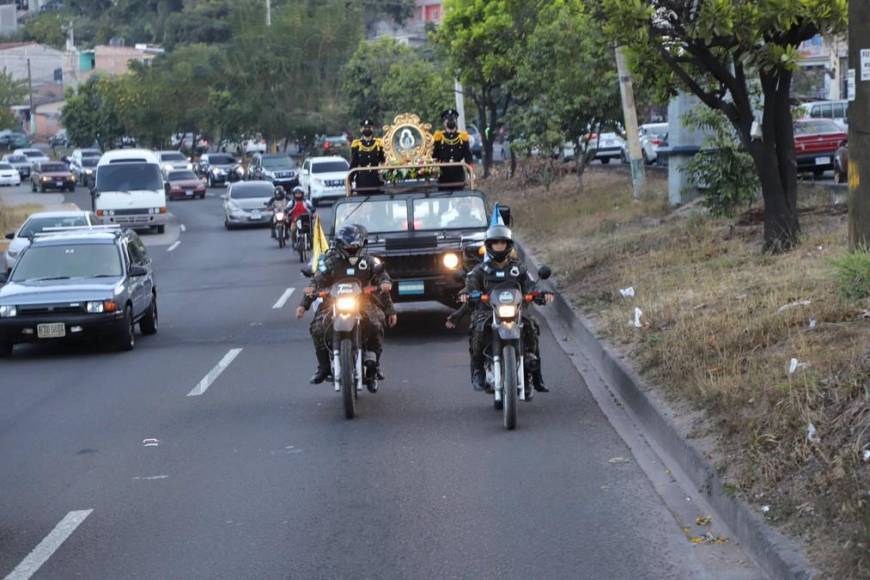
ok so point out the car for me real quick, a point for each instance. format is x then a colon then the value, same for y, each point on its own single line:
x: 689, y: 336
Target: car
x: 39, y: 222
x: 652, y: 135
x: 19, y: 162
x: 59, y: 139
x: 128, y: 189
x: 815, y: 142
x: 9, y: 175
x: 52, y: 175
x: 475, y: 141
x: 184, y: 184
x: 324, y: 178
x: 185, y: 141
x: 172, y: 160
x: 608, y: 146
x: 219, y: 168
x: 84, y: 170
x: 841, y: 164
x: 279, y: 168
x: 79, y: 283
x: 425, y: 240
x: 33, y: 155
x: 256, y: 145
x: 837, y: 111
x: 10, y: 140
x: 245, y: 204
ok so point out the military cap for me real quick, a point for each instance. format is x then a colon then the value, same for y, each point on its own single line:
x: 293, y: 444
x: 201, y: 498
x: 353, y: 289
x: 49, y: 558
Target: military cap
x: 449, y: 113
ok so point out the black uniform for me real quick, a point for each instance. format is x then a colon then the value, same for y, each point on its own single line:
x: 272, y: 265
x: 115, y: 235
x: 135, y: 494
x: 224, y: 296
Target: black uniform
x: 452, y: 146
x: 335, y: 266
x: 367, y: 153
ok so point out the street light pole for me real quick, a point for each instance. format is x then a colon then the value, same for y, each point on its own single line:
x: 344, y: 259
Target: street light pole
x: 268, y: 12
x: 859, y: 125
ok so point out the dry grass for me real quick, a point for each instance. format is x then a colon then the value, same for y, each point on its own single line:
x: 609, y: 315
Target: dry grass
x: 715, y: 334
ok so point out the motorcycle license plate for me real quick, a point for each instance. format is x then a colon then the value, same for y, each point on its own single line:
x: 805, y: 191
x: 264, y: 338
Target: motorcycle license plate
x: 823, y: 160
x: 411, y: 287
x: 52, y: 330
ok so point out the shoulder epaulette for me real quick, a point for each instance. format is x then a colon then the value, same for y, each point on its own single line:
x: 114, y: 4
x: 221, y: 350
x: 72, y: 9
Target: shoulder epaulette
x: 355, y: 143
x: 463, y: 135
x: 379, y: 142
x: 438, y: 135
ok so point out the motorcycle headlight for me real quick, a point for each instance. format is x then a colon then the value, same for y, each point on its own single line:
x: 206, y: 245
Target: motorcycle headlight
x: 507, y: 311
x: 240, y: 170
x: 346, y: 304
x: 279, y: 216
x: 450, y: 261
x: 8, y: 311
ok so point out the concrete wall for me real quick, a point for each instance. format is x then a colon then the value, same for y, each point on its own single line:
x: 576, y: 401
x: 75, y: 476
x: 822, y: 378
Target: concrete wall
x: 48, y: 119
x: 8, y: 19
x: 115, y: 60
x: 44, y: 61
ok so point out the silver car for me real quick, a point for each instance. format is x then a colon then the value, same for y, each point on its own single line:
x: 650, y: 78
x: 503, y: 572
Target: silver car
x: 39, y: 223
x: 652, y: 136
x: 245, y: 204
x: 173, y: 160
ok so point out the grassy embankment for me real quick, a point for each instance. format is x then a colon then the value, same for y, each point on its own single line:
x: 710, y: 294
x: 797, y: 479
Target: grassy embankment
x: 720, y: 328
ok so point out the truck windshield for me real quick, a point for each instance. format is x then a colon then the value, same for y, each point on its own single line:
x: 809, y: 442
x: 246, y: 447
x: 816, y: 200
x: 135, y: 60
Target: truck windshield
x: 129, y: 177
x: 330, y: 167
x: 68, y: 261
x: 375, y: 216
x: 435, y: 213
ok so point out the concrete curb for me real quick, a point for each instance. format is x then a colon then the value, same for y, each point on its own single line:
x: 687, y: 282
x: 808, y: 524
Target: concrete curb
x: 778, y: 556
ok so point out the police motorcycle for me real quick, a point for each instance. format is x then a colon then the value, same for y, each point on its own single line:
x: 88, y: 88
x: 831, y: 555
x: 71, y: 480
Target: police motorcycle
x: 279, y: 224
x: 506, y: 375
x: 302, y: 243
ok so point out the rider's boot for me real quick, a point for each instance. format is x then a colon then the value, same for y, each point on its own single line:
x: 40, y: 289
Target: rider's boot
x: 478, y: 379
x: 533, y: 365
x: 323, y: 368
x: 371, y: 372
x: 381, y: 376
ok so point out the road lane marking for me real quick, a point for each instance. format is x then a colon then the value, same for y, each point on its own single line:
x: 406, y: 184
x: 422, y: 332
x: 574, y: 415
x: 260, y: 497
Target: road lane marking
x: 284, y: 298
x: 174, y: 245
x: 48, y: 546
x: 183, y: 228
x: 214, y: 373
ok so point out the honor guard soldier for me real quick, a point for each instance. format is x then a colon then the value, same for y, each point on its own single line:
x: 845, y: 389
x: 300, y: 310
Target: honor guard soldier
x: 451, y: 145
x: 367, y: 151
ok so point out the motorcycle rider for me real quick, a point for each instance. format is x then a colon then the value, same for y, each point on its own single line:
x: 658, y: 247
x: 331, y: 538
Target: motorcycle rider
x: 500, y: 266
x: 276, y: 204
x: 297, y: 208
x: 348, y: 259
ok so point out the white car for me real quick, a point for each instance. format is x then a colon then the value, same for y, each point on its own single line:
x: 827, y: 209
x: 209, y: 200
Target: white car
x: 9, y: 175
x: 652, y: 136
x: 35, y: 156
x: 324, y: 178
x: 609, y: 146
x: 173, y: 161
x: 38, y: 223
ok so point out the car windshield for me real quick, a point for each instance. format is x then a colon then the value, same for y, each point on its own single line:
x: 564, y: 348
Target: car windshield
x: 376, y: 216
x: 17, y: 159
x: 815, y: 127
x: 221, y: 160
x: 68, y: 261
x: 128, y: 177
x: 45, y: 167
x: 5, y: 166
x: 38, y: 225
x: 278, y: 162
x: 33, y: 153
x: 90, y: 153
x: 182, y: 176
x: 330, y: 166
x: 656, y: 131
x: 90, y: 161
x: 449, y: 212
x: 173, y: 156
x: 252, y: 191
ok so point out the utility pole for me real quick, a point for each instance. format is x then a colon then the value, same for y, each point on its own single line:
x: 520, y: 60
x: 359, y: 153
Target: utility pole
x: 268, y: 12
x: 859, y: 125
x: 460, y: 103
x: 635, y: 157
x: 30, y: 90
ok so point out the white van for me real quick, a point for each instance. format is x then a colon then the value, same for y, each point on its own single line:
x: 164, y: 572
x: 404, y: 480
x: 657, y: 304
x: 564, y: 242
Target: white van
x: 835, y: 110
x: 129, y: 190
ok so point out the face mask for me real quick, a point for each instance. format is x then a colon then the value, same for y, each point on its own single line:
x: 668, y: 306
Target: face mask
x: 367, y: 132
x: 451, y: 124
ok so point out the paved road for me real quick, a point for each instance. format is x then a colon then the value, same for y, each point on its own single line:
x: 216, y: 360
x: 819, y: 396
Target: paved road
x: 261, y: 477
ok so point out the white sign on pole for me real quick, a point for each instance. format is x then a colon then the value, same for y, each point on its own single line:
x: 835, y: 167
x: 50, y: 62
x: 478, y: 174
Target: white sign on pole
x: 865, y: 64
x: 850, y: 84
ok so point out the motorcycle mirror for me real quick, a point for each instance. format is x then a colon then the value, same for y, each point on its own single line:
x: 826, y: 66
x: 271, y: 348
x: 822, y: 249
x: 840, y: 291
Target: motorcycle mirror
x: 306, y: 271
x: 544, y: 272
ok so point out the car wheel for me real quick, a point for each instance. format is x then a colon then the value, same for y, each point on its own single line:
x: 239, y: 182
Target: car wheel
x: 605, y: 160
x: 5, y: 349
x: 33, y: 187
x: 646, y: 160
x: 161, y: 229
x: 227, y: 225
x: 127, y: 336
x: 148, y: 324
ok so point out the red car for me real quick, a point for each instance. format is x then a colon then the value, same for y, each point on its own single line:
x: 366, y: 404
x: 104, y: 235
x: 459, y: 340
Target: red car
x: 184, y: 184
x: 816, y: 142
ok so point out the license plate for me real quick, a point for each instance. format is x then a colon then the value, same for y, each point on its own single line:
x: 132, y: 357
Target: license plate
x: 256, y: 215
x: 412, y: 288
x: 823, y: 160
x: 53, y: 330
x: 59, y: 183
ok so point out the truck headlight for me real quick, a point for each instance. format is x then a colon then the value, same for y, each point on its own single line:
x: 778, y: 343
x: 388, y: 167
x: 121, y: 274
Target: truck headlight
x: 8, y: 311
x: 190, y: 166
x: 507, y: 311
x: 101, y: 306
x: 450, y: 261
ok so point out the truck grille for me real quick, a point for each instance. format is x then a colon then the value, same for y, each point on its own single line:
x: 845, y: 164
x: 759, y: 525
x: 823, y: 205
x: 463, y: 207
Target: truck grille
x: 37, y: 309
x: 418, y: 265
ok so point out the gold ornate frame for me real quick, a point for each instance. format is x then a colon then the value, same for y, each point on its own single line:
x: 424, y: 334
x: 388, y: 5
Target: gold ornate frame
x: 408, y: 126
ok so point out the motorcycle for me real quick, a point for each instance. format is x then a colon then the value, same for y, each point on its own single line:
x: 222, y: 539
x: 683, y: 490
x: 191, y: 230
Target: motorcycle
x: 506, y: 374
x: 351, y: 367
x: 279, y: 224
x: 302, y: 243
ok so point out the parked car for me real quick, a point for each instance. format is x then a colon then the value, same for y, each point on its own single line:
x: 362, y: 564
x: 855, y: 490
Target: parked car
x: 245, y: 204
x: 324, y: 178
x: 841, y: 164
x: 9, y: 175
x: 10, y: 140
x: 333, y: 145
x: 84, y: 170
x: 184, y: 184
x: 834, y: 110
x: 219, y: 168
x: 608, y: 146
x: 52, y: 175
x: 652, y: 135
x: 33, y: 155
x: 82, y: 283
x: 39, y: 222
x: 129, y: 190
x: 816, y: 142
x: 278, y: 168
x: 19, y: 162
x: 59, y: 139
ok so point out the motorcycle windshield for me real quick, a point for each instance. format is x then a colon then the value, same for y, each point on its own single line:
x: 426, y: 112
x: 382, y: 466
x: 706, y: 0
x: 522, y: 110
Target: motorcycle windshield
x: 506, y: 293
x: 346, y: 287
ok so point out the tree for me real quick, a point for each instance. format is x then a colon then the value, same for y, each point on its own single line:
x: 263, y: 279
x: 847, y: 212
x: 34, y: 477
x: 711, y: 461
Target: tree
x: 714, y: 49
x: 12, y: 92
x: 46, y: 28
x: 92, y: 113
x: 365, y: 74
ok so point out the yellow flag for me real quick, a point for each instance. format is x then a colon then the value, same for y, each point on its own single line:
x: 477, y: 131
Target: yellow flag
x: 319, y: 244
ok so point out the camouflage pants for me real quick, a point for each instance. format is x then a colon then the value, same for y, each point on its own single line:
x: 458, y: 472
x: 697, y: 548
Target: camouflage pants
x: 372, y: 330
x: 481, y: 336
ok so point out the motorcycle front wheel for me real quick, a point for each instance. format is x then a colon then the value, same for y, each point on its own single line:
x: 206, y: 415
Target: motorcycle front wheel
x: 509, y: 394
x: 348, y: 388
x: 302, y: 244
x: 279, y: 231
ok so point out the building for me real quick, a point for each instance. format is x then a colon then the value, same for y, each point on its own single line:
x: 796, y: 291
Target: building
x: 8, y: 19
x: 413, y: 32
x: 46, y: 63
x: 822, y: 72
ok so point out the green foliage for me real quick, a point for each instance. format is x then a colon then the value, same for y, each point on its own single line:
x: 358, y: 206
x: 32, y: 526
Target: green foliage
x: 722, y: 170
x: 46, y: 28
x: 853, y: 274
x: 12, y: 92
x: 92, y: 113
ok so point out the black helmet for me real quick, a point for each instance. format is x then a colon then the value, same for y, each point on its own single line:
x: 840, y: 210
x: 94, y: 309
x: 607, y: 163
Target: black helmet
x: 499, y: 233
x: 278, y: 193
x: 298, y: 191
x: 350, y: 239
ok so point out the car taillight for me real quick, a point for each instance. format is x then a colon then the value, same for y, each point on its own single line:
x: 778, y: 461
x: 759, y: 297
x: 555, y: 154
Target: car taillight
x: 100, y: 213
x: 163, y: 210
x: 656, y: 141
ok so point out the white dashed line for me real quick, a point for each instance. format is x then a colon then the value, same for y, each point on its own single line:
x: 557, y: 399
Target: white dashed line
x: 173, y: 246
x: 214, y: 373
x: 183, y: 228
x: 284, y: 298
x: 48, y: 546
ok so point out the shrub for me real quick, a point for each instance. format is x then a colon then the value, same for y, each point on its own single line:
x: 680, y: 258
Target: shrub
x: 853, y: 274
